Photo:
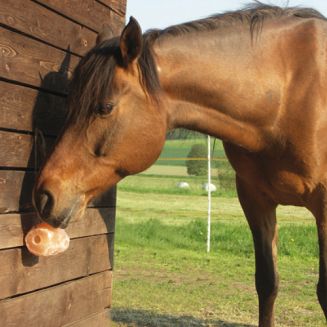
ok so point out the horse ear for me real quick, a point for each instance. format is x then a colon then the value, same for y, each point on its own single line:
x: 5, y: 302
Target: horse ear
x: 105, y: 34
x: 131, y: 41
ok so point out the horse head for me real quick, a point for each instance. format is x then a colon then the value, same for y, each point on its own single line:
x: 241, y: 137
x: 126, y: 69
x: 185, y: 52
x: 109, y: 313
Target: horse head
x: 115, y: 126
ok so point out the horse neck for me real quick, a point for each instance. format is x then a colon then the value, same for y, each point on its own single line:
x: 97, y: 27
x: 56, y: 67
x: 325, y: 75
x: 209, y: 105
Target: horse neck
x: 208, y: 80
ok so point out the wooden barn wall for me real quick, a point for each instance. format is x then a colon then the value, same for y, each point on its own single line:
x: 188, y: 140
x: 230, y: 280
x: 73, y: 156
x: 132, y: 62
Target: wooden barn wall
x: 41, y: 41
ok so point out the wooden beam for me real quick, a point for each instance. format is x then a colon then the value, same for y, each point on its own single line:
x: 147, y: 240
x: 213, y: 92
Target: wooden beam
x: 23, y: 108
x: 15, y: 150
x: 31, y: 62
x: 80, y: 11
x: 59, y: 305
x: 18, y: 150
x: 34, y: 21
x: 13, y: 227
x: 98, y: 319
x: 118, y: 6
x: 16, y: 192
x: 22, y: 272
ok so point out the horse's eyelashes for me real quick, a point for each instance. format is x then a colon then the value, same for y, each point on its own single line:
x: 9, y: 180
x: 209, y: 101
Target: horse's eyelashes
x: 104, y: 108
x: 109, y: 106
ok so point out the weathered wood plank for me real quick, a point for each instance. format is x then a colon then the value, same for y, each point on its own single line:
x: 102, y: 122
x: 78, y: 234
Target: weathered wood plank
x: 89, y: 13
x: 34, y: 20
x: 101, y: 319
x: 58, y: 305
x: 22, y: 272
x: 118, y: 6
x: 16, y: 192
x: 24, y: 109
x: 15, y: 150
x: 31, y: 62
x: 18, y: 150
x: 13, y: 227
x: 31, y: 56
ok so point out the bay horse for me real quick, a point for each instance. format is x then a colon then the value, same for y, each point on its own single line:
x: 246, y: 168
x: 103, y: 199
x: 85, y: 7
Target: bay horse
x: 254, y: 78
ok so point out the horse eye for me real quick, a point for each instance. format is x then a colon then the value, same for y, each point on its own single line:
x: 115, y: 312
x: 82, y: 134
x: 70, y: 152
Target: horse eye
x: 104, y: 109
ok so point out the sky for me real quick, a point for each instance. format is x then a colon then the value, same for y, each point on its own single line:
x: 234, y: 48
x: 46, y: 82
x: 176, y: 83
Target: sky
x: 163, y: 13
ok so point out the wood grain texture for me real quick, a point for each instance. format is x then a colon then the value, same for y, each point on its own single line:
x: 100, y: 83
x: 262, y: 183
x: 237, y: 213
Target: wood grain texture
x: 13, y: 227
x: 31, y: 62
x: 18, y: 150
x: 15, y: 150
x: 118, y: 6
x: 22, y: 272
x: 58, y: 305
x: 41, y: 43
x: 16, y: 192
x: 25, y: 109
x: 34, y: 21
x: 101, y: 319
x: 89, y: 13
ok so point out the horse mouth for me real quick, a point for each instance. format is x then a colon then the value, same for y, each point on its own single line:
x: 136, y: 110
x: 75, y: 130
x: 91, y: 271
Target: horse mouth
x: 62, y: 218
x: 54, y: 222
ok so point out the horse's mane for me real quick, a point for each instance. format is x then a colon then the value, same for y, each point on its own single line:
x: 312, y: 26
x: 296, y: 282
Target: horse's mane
x: 251, y: 15
x: 93, y: 76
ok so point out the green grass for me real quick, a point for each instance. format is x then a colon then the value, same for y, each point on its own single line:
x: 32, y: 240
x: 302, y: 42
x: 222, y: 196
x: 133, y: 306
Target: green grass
x: 164, y: 277
x: 162, y: 171
x: 163, y: 184
x: 167, y: 165
x: 181, y: 148
x: 233, y: 239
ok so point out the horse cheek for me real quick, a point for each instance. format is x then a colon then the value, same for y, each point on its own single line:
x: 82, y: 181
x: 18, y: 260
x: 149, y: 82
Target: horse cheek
x: 146, y: 149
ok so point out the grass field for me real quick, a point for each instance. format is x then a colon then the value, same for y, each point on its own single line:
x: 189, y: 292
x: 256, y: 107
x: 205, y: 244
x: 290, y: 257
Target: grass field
x: 181, y: 148
x: 168, y: 163
x: 165, y: 184
x: 164, y: 277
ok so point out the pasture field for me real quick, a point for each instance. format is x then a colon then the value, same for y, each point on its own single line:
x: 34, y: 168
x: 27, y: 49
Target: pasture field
x: 166, y: 184
x: 169, y: 163
x: 180, y: 149
x: 164, y: 277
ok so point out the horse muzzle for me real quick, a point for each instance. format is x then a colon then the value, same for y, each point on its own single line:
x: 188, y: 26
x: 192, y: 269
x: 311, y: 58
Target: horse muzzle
x: 55, y: 210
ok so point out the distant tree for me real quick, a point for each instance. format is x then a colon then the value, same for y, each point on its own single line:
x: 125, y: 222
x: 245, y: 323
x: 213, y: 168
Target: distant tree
x: 183, y: 134
x: 197, y: 167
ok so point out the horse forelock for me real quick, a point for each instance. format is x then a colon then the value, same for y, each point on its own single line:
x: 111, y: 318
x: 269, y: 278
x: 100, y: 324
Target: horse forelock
x: 93, y: 77
x: 91, y: 80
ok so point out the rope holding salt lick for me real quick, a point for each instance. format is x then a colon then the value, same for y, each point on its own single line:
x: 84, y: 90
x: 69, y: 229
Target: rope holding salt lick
x: 45, y: 240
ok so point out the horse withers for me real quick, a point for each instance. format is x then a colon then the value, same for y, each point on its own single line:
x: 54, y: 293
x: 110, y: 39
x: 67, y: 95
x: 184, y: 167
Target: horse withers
x: 255, y: 78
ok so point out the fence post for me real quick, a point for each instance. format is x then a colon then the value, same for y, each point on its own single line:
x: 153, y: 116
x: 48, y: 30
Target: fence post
x: 209, y: 195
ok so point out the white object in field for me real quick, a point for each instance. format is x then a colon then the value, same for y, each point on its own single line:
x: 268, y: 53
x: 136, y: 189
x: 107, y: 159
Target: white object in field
x: 212, y: 188
x: 183, y: 185
x: 45, y: 240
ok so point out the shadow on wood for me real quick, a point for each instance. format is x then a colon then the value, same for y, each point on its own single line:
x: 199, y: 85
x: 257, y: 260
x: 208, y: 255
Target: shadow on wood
x: 48, y: 116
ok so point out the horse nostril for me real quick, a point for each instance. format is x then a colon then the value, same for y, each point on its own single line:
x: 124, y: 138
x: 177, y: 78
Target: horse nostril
x: 44, y: 203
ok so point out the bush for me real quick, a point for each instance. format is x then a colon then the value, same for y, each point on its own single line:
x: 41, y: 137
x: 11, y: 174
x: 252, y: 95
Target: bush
x: 197, y: 167
x: 226, y: 176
